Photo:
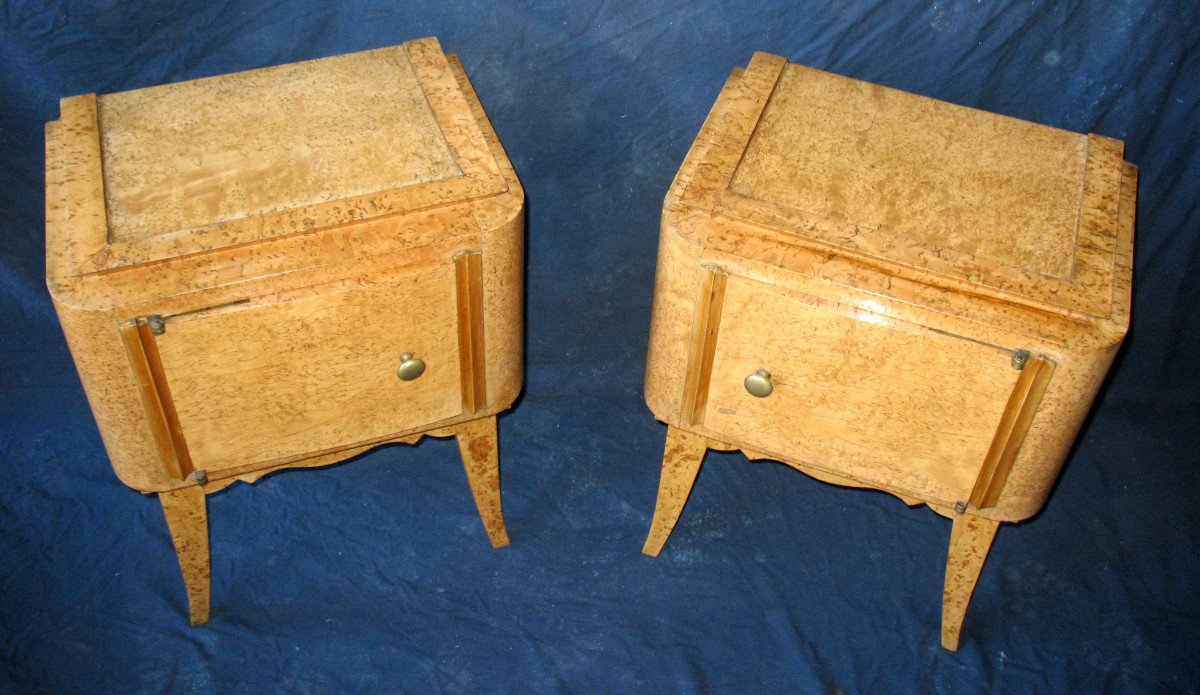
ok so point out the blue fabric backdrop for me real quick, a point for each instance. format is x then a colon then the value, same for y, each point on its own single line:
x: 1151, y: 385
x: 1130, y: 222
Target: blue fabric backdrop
x: 375, y: 575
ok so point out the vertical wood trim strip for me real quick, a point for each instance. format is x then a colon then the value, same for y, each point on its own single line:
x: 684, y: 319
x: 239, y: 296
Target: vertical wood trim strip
x: 703, y: 344
x: 468, y: 275
x: 156, y: 398
x: 81, y: 178
x: 479, y: 376
x: 1018, y: 415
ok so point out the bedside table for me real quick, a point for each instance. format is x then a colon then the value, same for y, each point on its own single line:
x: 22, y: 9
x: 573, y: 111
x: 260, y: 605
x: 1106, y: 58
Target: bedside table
x: 887, y: 291
x: 283, y: 268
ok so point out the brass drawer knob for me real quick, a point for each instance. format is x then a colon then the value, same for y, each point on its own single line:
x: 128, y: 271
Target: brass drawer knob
x: 411, y: 368
x: 759, y: 384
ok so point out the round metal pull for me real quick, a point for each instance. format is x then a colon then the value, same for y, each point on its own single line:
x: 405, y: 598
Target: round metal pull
x: 759, y: 384
x: 410, y: 367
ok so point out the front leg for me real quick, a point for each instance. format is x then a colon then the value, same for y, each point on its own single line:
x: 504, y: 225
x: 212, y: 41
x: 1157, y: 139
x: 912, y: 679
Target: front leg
x: 970, y: 539
x: 480, y: 450
x: 187, y: 519
x: 681, y: 462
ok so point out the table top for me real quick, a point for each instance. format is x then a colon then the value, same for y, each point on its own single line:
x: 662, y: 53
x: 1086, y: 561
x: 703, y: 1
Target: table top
x: 194, y: 153
x: 969, y: 199
x: 975, y: 182
x: 189, y: 169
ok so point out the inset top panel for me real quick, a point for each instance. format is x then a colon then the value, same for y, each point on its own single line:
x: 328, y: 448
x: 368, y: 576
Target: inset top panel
x: 977, y: 183
x: 213, y: 150
x: 272, y: 156
x: 962, y: 198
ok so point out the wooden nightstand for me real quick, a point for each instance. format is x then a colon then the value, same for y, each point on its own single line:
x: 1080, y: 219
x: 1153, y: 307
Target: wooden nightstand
x: 283, y: 268
x: 887, y: 291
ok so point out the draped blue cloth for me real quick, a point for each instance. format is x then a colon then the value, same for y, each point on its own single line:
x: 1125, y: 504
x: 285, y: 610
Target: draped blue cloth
x: 375, y: 575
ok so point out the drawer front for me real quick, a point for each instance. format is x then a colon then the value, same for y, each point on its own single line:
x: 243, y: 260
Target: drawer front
x: 312, y: 371
x: 858, y: 393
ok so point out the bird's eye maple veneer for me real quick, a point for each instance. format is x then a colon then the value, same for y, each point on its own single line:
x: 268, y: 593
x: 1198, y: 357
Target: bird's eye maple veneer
x: 887, y: 291
x: 283, y: 268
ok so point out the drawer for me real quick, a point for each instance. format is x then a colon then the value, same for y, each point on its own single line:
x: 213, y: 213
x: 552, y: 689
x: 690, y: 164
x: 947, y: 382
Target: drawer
x: 309, y: 371
x: 856, y: 392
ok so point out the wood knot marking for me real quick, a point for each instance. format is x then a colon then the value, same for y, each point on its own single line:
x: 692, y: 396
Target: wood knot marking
x: 481, y: 448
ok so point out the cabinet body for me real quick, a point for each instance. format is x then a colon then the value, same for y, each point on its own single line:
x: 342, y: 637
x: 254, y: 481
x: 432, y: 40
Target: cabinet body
x: 256, y: 271
x: 929, y: 296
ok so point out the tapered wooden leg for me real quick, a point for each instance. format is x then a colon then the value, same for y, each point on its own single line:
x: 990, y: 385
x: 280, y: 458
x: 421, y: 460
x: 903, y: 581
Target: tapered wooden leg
x: 187, y: 519
x: 681, y: 462
x: 970, y: 539
x: 480, y: 450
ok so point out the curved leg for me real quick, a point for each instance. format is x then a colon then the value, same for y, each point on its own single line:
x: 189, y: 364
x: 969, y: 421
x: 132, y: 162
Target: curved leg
x: 970, y: 539
x: 187, y: 519
x: 479, y: 447
x: 681, y: 462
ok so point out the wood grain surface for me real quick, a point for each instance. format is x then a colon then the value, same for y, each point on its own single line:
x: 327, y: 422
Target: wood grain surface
x: 890, y: 402
x: 468, y: 289
x: 709, y: 303
x: 295, y: 229
x: 982, y: 184
x: 479, y: 447
x: 970, y: 540
x: 218, y: 272
x: 1010, y: 434
x: 274, y: 202
x: 180, y: 156
x: 187, y: 519
x: 682, y: 456
x: 954, y: 255
x: 287, y: 375
x: 884, y: 257
x: 152, y: 385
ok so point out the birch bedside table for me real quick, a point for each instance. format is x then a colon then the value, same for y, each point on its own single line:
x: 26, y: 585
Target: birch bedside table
x: 284, y: 268
x: 887, y: 291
